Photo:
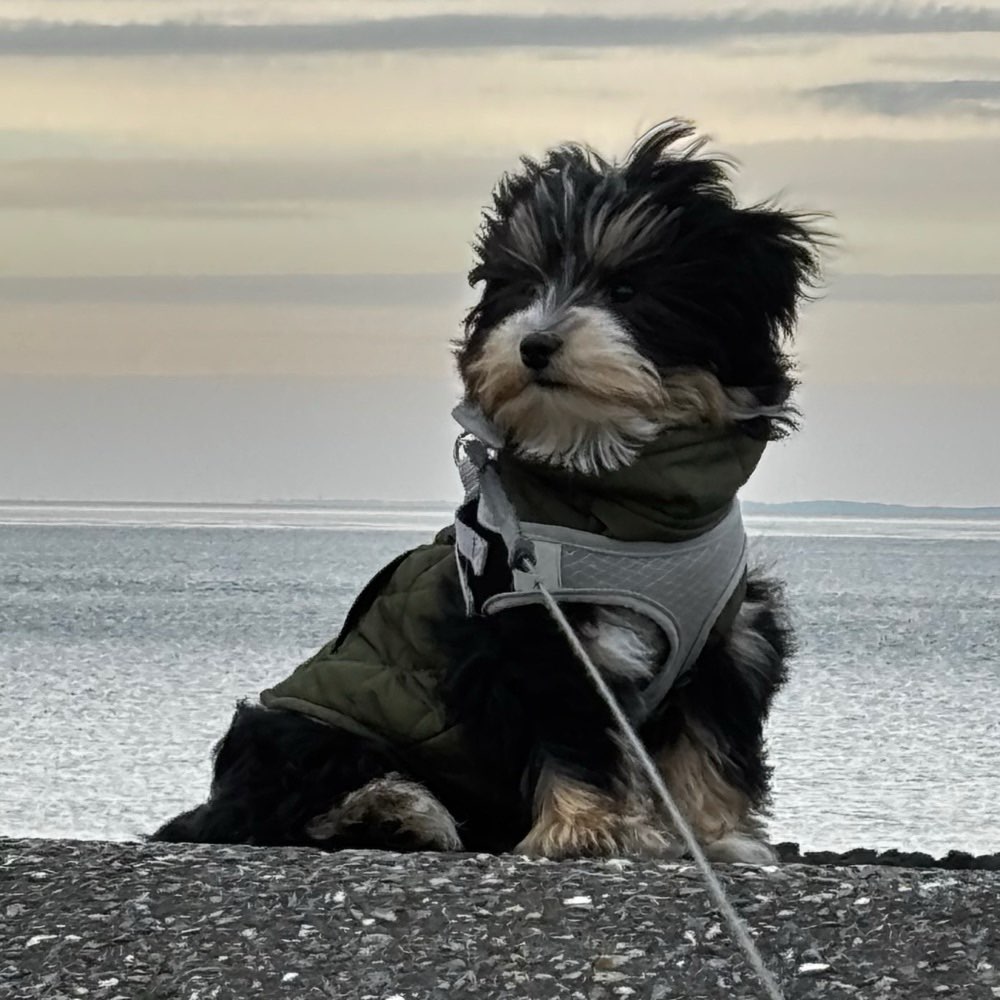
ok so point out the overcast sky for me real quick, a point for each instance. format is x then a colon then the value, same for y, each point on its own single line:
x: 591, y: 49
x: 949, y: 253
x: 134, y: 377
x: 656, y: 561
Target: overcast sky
x: 235, y: 233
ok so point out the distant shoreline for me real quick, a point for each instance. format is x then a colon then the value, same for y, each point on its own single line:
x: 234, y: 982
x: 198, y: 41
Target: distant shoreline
x: 799, y: 508
x: 869, y: 511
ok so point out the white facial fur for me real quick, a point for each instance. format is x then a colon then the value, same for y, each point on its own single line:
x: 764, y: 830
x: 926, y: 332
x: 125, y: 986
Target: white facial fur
x: 608, y: 401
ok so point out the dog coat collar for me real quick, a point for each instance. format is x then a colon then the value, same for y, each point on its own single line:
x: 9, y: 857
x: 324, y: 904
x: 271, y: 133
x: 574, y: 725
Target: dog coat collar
x: 683, y: 586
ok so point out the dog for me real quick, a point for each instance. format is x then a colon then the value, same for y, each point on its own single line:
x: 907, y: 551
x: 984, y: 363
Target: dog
x: 627, y: 355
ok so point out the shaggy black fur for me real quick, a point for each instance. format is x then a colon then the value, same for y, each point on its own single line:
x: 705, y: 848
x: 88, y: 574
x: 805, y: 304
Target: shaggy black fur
x: 276, y: 770
x: 273, y: 772
x: 731, y: 702
x: 725, y: 281
x: 700, y: 283
x: 525, y: 712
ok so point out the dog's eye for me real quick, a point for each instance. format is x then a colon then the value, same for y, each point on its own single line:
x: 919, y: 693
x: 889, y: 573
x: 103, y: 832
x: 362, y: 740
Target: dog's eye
x: 621, y: 292
x: 522, y: 290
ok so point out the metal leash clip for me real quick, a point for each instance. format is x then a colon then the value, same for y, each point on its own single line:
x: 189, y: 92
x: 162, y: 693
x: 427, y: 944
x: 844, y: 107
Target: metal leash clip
x: 477, y: 467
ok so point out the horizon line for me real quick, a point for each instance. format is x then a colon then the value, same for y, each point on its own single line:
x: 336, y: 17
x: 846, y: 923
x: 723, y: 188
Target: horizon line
x: 450, y: 504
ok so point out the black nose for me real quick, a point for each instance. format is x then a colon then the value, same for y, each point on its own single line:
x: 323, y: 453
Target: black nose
x: 537, y: 349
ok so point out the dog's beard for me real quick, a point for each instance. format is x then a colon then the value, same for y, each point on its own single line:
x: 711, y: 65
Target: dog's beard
x: 592, y: 408
x: 577, y: 432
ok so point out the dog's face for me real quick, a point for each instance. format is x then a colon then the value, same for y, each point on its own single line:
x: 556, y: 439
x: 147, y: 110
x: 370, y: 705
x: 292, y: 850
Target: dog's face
x: 618, y: 300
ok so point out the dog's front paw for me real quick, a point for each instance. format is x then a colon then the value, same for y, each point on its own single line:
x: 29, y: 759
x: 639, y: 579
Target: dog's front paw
x: 391, y: 813
x: 574, y: 821
x: 559, y: 840
x: 740, y: 848
x: 613, y: 837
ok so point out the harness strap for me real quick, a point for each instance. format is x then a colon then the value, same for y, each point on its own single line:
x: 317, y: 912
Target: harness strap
x: 684, y: 587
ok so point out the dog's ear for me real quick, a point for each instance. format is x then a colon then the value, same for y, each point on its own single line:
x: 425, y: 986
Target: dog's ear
x: 776, y: 261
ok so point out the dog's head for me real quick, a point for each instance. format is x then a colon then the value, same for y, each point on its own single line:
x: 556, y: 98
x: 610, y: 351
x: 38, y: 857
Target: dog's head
x: 621, y: 299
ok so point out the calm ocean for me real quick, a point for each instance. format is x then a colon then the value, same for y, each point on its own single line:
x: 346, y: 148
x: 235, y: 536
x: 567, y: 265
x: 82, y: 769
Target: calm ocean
x: 127, y: 633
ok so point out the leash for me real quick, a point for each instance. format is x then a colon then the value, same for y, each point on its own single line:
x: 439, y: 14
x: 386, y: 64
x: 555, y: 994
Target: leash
x: 737, y: 925
x: 474, y: 451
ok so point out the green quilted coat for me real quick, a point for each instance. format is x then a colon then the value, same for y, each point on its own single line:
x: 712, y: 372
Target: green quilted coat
x: 381, y: 676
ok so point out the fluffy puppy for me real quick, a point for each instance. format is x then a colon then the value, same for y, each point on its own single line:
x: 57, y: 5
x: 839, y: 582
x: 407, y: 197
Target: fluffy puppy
x: 622, y: 305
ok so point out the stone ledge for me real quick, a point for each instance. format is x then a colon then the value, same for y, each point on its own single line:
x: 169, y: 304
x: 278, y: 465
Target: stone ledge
x: 166, y: 922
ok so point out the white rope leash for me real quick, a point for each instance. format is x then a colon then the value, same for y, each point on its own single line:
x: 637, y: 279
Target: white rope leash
x: 736, y: 924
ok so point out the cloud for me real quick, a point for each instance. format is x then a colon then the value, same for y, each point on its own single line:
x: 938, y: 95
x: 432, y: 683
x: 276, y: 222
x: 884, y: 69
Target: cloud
x: 979, y: 98
x: 470, y: 31
x: 951, y: 63
x: 345, y: 290
x: 264, y: 186
x: 419, y: 290
x: 835, y: 174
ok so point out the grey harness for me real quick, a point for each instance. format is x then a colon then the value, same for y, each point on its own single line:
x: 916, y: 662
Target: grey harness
x: 681, y: 586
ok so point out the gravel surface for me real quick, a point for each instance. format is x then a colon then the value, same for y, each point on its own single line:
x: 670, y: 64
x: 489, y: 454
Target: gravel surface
x: 143, y: 921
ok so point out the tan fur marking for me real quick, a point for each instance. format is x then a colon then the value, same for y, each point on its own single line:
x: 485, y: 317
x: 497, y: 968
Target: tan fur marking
x: 710, y: 804
x: 693, y: 397
x: 574, y: 821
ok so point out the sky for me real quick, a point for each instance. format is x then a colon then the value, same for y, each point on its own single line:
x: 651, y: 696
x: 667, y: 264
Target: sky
x: 235, y: 233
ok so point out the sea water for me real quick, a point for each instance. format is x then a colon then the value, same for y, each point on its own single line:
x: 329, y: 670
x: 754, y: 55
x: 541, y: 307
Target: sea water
x: 128, y: 632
